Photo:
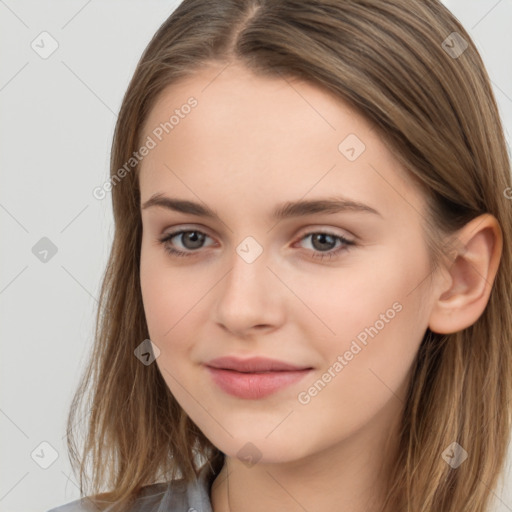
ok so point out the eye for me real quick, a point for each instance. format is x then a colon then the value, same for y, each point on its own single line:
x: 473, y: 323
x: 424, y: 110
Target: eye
x: 323, y: 243
x: 192, y: 240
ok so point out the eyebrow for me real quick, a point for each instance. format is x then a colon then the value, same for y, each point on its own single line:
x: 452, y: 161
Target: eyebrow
x: 282, y: 211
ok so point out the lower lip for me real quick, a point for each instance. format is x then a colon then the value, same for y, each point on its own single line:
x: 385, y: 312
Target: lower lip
x: 254, y: 385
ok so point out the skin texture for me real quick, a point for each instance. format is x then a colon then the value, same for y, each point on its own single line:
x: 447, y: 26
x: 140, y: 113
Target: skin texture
x: 252, y: 143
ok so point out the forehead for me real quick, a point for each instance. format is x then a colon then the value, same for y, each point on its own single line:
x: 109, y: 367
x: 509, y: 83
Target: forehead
x: 270, y: 137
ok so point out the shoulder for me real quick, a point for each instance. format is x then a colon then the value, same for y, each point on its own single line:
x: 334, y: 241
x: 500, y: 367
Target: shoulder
x: 149, y: 499
x: 173, y: 496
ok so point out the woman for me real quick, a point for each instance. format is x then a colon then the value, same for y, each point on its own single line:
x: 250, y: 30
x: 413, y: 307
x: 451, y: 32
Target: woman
x: 241, y: 364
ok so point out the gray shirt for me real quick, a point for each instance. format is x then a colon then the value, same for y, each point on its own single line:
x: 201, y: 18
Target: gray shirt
x: 173, y: 496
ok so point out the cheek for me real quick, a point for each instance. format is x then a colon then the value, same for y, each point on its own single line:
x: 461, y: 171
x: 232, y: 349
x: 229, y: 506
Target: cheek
x: 170, y: 295
x: 366, y: 365
x: 351, y: 299
x: 374, y: 317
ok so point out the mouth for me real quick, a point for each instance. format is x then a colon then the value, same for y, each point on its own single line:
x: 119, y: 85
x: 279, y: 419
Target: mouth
x: 254, y: 378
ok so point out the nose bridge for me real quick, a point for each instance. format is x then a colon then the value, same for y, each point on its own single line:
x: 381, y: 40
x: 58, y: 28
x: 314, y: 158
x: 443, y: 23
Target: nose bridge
x: 248, y: 276
x: 247, y: 297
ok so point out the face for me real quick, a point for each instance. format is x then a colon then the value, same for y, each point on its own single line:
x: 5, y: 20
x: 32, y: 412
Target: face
x: 338, y: 291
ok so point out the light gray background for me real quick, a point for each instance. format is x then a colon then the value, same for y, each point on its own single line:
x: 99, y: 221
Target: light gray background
x: 58, y: 116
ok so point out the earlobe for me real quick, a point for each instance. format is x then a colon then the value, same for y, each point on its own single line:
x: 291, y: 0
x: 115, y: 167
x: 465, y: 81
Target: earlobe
x: 471, y: 275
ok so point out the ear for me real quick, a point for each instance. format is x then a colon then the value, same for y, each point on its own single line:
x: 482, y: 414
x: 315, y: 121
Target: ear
x: 464, y: 292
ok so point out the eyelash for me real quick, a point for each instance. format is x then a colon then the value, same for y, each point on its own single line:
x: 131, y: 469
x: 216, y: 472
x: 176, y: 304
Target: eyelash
x: 318, y: 254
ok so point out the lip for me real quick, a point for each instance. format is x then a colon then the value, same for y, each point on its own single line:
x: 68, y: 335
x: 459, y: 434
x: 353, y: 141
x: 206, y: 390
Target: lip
x: 253, y: 364
x: 254, y: 378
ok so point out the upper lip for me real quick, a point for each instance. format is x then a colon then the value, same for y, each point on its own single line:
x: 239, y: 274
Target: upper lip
x: 253, y: 364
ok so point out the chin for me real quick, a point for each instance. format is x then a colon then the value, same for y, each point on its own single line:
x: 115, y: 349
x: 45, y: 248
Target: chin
x: 253, y: 448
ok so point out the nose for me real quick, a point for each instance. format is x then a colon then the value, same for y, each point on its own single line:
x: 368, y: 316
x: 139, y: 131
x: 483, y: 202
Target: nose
x: 250, y: 298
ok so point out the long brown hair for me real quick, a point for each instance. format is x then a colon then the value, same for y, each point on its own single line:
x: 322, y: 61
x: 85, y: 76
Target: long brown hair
x: 426, y: 91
